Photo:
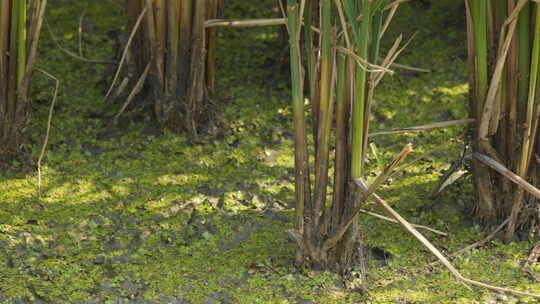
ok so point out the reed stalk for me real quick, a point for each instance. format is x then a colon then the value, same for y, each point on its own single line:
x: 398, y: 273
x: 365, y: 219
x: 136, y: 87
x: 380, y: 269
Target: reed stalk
x: 524, y: 56
x: 302, y: 188
x: 342, y: 115
x: 361, y: 39
x: 21, y: 40
x: 311, y: 44
x: 325, y: 112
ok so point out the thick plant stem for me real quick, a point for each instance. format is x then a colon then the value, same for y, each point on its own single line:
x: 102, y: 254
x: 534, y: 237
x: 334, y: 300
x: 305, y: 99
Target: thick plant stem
x: 325, y: 115
x: 479, y: 15
x: 358, y: 113
x: 211, y: 33
x: 311, y: 6
x: 13, y: 69
x: 184, y: 42
x: 161, y: 39
x: 171, y: 77
x: 342, y: 114
x: 4, y: 46
x: 524, y: 24
x: 508, y: 100
x: 302, y: 189
x: 478, y: 52
x: 21, y: 41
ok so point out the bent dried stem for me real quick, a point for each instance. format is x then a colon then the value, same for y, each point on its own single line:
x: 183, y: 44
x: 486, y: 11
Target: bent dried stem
x: 244, y: 23
x: 385, y: 218
x: 409, y: 228
x: 49, y: 122
x: 422, y: 128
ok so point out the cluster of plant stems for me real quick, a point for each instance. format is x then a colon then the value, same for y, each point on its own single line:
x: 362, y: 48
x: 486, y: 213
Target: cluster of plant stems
x: 174, y: 53
x: 20, y: 25
x: 504, y: 61
x: 338, y: 43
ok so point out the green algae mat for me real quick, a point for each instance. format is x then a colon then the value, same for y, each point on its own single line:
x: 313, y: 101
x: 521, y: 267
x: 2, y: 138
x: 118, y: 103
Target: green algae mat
x: 129, y: 214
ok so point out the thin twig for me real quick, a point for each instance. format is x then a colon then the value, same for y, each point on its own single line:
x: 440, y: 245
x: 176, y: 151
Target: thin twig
x: 391, y: 57
x: 420, y: 157
x: 436, y: 125
x: 474, y: 245
x: 409, y: 68
x: 121, y: 88
x: 244, y: 23
x: 393, y: 8
x: 284, y: 14
x: 126, y: 48
x: 363, y: 63
x: 343, y: 24
x: 427, y: 267
x: 138, y: 87
x: 393, y: 4
x: 382, y: 217
x: 80, y: 32
x: 70, y: 53
x: 409, y: 228
x: 49, y: 120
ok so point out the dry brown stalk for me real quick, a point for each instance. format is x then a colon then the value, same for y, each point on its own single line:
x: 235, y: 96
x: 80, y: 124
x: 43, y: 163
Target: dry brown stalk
x: 49, y: 122
x: 244, y: 23
x: 508, y: 174
x: 382, y: 217
x: 422, y: 128
x: 409, y: 228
